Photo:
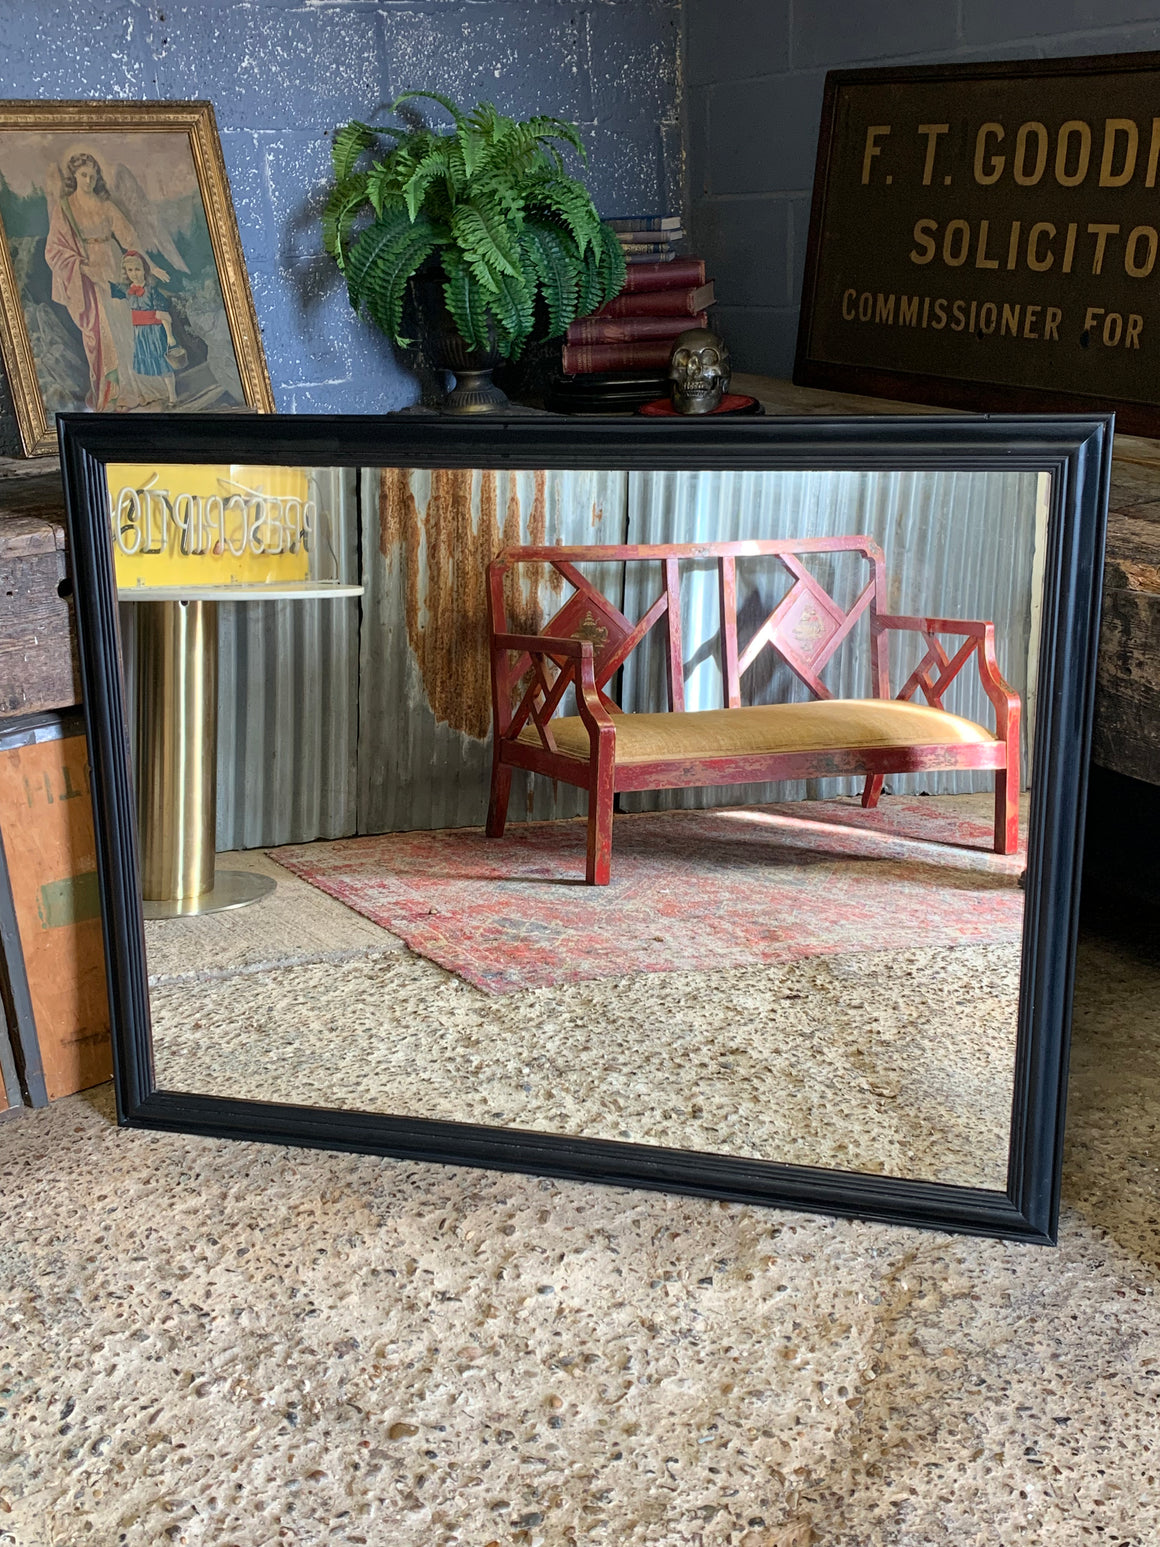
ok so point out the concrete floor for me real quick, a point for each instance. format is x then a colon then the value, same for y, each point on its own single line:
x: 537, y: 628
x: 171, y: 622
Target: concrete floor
x: 229, y: 1344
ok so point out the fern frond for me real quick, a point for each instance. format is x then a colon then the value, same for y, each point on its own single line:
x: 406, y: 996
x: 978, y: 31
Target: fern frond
x: 555, y: 160
x: 434, y: 96
x: 552, y: 255
x: 514, y: 308
x: 488, y: 241
x: 339, y: 215
x: 556, y: 129
x: 589, y: 286
x: 466, y: 301
x: 349, y: 143
x: 483, y: 118
x: 405, y: 160
x: 498, y: 189
x: 382, y: 187
x: 509, y: 155
x: 568, y: 201
x: 613, y: 269
x: 381, y: 262
x: 471, y: 143
x: 433, y: 165
x: 458, y: 176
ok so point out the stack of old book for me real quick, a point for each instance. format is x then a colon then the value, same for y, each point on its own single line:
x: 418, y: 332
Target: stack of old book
x: 618, y: 358
x: 647, y: 238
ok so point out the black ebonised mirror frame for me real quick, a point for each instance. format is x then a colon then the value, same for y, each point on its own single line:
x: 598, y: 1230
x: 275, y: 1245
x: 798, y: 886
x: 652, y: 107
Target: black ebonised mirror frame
x: 1075, y: 450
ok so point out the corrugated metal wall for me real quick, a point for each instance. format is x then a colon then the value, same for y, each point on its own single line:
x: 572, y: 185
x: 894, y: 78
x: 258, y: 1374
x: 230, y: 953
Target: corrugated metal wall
x: 287, y: 697
x: 957, y: 544
x: 374, y: 716
x: 424, y: 687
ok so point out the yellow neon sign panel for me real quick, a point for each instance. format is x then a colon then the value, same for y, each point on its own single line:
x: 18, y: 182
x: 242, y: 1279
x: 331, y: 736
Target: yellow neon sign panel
x: 178, y: 524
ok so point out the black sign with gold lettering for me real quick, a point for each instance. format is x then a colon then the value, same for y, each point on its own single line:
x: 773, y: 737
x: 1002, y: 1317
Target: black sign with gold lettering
x: 988, y: 237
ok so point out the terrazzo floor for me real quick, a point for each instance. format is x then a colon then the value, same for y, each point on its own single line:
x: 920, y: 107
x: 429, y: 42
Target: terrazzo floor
x: 897, y: 1062
x: 212, y: 1342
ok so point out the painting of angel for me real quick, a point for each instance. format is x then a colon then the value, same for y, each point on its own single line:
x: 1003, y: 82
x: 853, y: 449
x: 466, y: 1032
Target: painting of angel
x: 122, y: 284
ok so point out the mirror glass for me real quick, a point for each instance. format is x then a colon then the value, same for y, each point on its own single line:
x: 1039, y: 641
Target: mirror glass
x: 775, y: 969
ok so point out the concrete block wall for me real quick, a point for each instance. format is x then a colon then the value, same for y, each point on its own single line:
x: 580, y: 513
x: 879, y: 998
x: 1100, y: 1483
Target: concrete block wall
x: 283, y: 74
x: 754, y: 71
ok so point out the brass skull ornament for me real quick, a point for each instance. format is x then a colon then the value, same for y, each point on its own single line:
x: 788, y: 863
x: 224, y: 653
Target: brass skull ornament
x: 699, y: 371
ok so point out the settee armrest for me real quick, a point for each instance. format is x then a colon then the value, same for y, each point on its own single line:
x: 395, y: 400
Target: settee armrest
x: 937, y: 670
x: 541, y: 699
x: 541, y: 644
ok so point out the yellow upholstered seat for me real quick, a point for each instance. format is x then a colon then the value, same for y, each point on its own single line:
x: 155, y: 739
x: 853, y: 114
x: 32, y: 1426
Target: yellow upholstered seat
x: 824, y: 725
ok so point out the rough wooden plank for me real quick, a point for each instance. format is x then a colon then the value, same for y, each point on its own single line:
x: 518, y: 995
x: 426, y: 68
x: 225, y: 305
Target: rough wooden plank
x: 1133, y: 550
x: 38, y: 662
x: 37, y: 638
x: 21, y: 536
x: 1126, y: 736
x: 28, y: 467
x: 38, y: 666
x: 32, y: 497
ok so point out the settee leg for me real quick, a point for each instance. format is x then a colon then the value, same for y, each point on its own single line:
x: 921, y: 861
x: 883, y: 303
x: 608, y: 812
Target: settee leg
x: 501, y: 788
x: 599, y: 867
x: 1006, y: 812
x: 872, y: 789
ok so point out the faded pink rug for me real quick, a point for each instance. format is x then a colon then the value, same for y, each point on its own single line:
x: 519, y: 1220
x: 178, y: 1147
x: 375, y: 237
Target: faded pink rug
x: 691, y: 891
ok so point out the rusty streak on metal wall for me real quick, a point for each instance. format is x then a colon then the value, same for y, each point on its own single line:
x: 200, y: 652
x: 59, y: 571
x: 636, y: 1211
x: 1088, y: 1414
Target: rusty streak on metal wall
x: 425, y: 691
x: 445, y: 554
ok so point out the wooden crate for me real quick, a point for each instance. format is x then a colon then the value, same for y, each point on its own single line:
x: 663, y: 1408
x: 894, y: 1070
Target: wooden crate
x: 46, y: 825
x: 38, y: 666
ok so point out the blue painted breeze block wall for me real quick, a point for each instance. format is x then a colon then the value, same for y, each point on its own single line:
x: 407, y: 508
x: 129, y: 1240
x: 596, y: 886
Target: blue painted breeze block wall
x: 754, y: 71
x: 282, y: 75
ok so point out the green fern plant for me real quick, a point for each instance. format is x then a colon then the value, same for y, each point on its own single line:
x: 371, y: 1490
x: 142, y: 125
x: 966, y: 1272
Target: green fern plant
x: 490, y: 203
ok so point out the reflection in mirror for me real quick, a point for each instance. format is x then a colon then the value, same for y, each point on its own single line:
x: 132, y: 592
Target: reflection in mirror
x: 808, y: 947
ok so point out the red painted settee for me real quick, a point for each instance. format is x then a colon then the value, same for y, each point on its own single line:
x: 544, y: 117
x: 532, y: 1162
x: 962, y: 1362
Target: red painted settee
x: 603, y: 750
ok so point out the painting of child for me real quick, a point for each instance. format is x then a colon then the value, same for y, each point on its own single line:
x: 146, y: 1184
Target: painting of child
x: 152, y: 323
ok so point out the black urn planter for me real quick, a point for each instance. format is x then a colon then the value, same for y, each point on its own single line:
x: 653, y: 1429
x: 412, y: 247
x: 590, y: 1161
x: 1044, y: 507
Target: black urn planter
x: 439, y: 348
x: 474, y: 391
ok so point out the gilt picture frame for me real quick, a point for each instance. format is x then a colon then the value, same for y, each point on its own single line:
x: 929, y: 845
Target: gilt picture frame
x: 123, y: 285
x: 1074, y: 452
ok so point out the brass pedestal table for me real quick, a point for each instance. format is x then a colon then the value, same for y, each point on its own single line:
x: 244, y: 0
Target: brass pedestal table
x: 177, y: 689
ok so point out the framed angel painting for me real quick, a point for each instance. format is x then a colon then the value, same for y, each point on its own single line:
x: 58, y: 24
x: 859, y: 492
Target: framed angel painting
x: 122, y: 282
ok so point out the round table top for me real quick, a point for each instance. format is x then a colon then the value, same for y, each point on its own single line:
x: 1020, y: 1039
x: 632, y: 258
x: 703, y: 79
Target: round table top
x: 270, y: 591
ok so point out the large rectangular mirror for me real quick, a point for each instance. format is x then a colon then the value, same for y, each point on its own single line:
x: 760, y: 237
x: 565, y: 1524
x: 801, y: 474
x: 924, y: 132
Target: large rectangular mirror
x: 675, y: 804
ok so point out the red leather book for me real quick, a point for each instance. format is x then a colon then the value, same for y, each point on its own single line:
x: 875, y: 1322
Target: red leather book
x: 683, y: 302
x: 631, y: 330
x: 680, y: 273
x: 581, y: 359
